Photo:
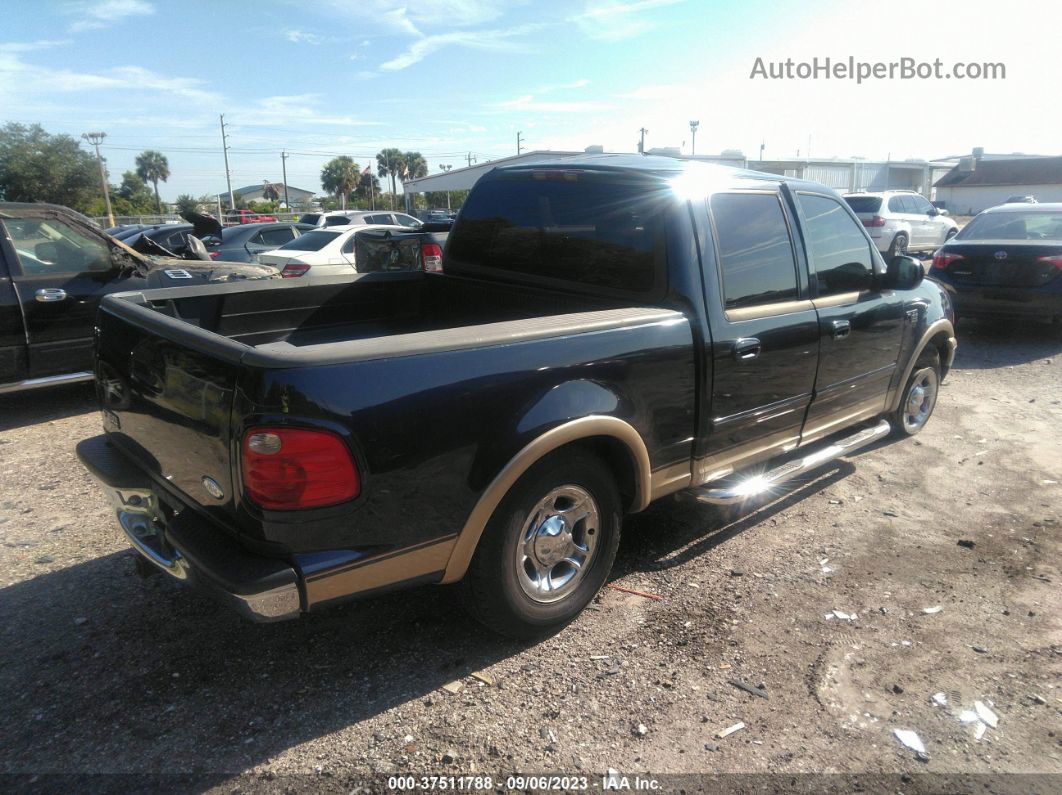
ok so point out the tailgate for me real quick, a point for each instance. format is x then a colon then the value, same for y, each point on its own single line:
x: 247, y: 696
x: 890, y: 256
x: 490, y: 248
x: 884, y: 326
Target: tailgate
x: 166, y: 389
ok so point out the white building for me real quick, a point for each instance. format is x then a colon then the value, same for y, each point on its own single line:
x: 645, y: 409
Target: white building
x: 978, y: 182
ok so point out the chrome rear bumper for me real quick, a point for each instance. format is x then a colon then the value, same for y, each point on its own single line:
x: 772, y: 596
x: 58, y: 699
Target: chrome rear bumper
x: 187, y: 547
x: 754, y: 485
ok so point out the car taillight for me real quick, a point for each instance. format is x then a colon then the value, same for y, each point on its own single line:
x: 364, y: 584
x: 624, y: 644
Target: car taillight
x: 877, y: 220
x: 1055, y: 260
x: 942, y: 259
x: 214, y: 254
x: 288, y: 469
x: 292, y: 271
x: 431, y: 254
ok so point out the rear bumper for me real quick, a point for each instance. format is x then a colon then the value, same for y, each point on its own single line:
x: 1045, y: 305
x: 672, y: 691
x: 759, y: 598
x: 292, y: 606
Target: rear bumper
x: 187, y: 547
x: 1006, y: 301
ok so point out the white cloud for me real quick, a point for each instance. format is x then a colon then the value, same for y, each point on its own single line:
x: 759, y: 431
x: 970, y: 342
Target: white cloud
x: 613, y: 20
x: 95, y: 14
x: 304, y: 37
x: 562, y: 86
x: 528, y: 103
x: 31, y: 46
x: 490, y: 40
x: 418, y: 17
x: 292, y: 108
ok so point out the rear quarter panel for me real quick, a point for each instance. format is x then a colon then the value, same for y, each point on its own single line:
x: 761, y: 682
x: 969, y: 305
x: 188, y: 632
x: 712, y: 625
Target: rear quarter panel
x: 431, y: 431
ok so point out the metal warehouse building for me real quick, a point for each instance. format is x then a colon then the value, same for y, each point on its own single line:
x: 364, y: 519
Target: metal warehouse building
x: 978, y: 183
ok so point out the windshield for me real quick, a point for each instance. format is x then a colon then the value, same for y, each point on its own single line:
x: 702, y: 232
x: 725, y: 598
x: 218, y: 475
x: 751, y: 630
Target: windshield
x: 864, y: 204
x: 1031, y: 225
x: 311, y: 241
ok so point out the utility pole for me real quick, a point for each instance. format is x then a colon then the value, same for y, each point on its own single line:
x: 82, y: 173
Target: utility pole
x: 641, y: 143
x: 96, y: 138
x: 445, y: 167
x: 225, y: 149
x: 470, y: 158
x: 284, y: 171
x: 763, y: 144
x: 693, y: 129
x: 518, y: 134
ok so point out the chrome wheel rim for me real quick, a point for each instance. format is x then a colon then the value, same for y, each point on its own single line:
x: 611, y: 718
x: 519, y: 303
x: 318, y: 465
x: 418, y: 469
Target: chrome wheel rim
x: 557, y: 543
x: 901, y: 246
x: 920, y: 398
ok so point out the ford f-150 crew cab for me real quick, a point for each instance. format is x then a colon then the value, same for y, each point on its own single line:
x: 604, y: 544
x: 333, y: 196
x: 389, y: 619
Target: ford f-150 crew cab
x: 606, y: 331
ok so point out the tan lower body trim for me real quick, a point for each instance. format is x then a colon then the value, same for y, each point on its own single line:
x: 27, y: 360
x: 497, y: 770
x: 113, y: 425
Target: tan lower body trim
x: 671, y: 479
x: 819, y: 427
x: 722, y: 464
x: 378, y: 572
x: 573, y: 431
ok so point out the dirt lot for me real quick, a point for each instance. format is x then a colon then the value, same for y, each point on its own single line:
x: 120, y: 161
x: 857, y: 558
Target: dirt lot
x: 104, y: 672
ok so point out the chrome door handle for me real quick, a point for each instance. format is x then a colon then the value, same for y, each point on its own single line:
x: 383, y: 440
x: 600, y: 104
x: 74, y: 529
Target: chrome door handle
x: 746, y: 349
x: 48, y: 294
x: 839, y: 329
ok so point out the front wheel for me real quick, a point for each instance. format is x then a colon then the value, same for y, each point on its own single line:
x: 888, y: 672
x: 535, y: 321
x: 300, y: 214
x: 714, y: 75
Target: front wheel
x: 919, y: 396
x: 548, y: 548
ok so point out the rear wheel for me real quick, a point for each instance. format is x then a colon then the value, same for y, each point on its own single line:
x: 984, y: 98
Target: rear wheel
x: 548, y: 548
x: 919, y: 396
x: 898, y: 247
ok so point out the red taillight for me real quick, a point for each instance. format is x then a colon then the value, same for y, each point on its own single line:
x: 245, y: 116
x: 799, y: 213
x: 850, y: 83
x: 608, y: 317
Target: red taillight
x: 214, y: 254
x: 1055, y: 260
x: 942, y: 259
x: 877, y: 220
x: 292, y: 271
x: 287, y: 469
x: 431, y: 255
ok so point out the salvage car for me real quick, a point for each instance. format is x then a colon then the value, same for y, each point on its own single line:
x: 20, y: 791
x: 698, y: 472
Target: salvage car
x: 1007, y: 262
x: 245, y: 242
x: 55, y: 267
x: 606, y: 331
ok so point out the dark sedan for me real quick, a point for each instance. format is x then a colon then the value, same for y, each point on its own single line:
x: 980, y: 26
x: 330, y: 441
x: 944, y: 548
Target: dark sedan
x: 1007, y: 262
x: 173, y: 237
x: 241, y: 243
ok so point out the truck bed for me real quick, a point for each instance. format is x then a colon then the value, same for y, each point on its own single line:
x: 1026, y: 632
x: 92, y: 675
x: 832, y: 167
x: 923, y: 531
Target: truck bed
x: 368, y: 316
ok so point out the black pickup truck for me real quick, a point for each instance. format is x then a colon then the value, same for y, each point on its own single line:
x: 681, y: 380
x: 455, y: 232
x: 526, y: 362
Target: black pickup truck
x: 55, y: 267
x: 607, y: 331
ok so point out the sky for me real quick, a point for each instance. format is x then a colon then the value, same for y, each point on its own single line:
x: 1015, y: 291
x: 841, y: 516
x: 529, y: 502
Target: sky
x: 460, y: 78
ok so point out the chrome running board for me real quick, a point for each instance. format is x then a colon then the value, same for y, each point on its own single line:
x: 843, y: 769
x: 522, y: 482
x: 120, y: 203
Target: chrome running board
x: 51, y: 380
x: 753, y: 485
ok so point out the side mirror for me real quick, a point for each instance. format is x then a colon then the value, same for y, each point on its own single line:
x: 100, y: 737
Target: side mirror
x: 904, y: 273
x: 942, y: 212
x: 932, y: 212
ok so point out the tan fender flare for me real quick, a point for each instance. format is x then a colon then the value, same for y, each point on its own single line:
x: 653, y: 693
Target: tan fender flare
x: 583, y: 428
x: 943, y: 325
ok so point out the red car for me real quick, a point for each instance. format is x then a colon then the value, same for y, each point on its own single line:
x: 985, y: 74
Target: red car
x: 247, y: 217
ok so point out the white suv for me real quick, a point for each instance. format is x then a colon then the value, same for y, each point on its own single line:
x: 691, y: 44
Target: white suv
x: 902, y: 220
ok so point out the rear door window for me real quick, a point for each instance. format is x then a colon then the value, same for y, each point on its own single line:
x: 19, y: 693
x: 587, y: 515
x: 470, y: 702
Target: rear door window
x: 755, y: 251
x: 837, y: 247
x: 564, y: 227
x: 896, y: 205
x: 277, y: 237
x: 380, y: 219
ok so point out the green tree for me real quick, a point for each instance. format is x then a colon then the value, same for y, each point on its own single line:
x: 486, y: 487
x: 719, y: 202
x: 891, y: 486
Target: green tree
x: 36, y: 166
x: 367, y: 192
x: 152, y: 166
x: 416, y: 166
x: 339, y: 177
x: 390, y: 163
x: 138, y: 199
x: 187, y: 203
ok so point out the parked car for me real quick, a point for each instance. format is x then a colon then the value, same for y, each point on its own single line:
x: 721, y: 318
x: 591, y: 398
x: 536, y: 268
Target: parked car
x: 244, y: 242
x: 333, y: 251
x: 902, y: 221
x: 330, y: 218
x: 1021, y: 199
x: 608, y: 330
x: 375, y: 217
x: 173, y: 237
x: 1006, y: 262
x: 55, y: 268
x: 247, y: 217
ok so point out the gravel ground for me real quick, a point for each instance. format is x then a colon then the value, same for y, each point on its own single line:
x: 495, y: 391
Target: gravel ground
x: 103, y: 672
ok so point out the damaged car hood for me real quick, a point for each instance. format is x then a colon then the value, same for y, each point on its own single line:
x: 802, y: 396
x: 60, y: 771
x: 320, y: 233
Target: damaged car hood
x: 167, y: 272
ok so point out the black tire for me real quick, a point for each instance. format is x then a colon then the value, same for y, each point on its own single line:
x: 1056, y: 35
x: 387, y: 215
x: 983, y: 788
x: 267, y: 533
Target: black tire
x: 926, y: 373
x: 494, y: 587
x: 897, y: 247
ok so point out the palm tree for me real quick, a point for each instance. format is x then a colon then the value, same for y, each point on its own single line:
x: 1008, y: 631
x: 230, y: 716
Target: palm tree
x: 340, y: 176
x: 390, y: 163
x: 151, y: 166
x: 416, y: 166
